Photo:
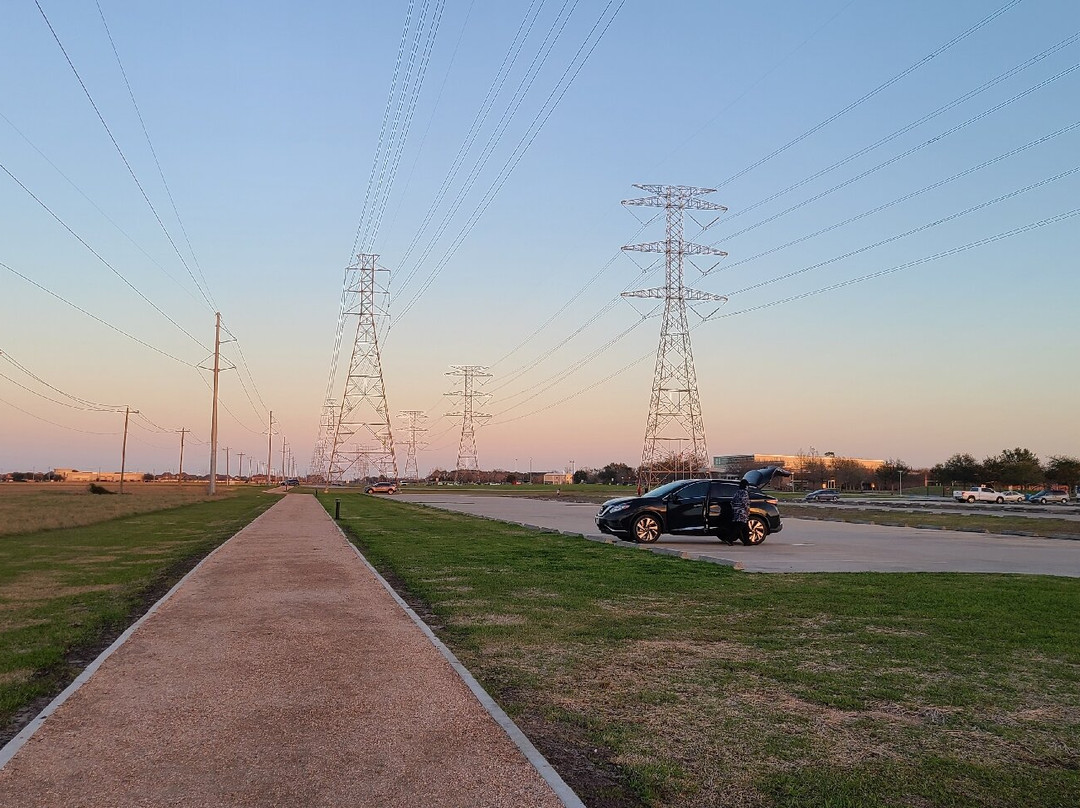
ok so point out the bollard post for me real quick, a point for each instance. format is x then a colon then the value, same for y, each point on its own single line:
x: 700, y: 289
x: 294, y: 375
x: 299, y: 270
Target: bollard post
x: 337, y: 508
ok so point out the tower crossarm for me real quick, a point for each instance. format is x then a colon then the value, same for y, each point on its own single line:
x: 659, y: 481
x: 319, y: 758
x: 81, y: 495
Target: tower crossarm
x: 687, y: 248
x: 662, y: 293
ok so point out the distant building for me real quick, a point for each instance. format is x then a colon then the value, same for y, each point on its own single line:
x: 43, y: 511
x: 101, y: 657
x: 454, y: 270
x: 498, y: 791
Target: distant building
x: 558, y: 478
x: 734, y: 466
x: 76, y: 476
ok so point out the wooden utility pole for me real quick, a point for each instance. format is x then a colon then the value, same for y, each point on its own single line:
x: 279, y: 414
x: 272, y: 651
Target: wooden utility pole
x: 284, y: 473
x: 240, y: 467
x: 213, y: 418
x: 269, y: 446
x: 123, y: 449
x: 228, y: 477
x: 180, y: 473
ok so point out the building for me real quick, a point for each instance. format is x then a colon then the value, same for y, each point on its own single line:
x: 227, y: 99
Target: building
x: 76, y: 476
x: 734, y: 466
x: 558, y: 478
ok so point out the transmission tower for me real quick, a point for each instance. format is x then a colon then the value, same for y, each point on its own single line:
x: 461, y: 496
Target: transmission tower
x: 320, y: 457
x: 675, y: 432
x: 363, y: 418
x: 413, y: 429
x: 466, y: 398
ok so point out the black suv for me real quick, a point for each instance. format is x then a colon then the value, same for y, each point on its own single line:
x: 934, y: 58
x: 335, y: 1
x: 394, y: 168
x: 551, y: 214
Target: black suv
x: 693, y: 508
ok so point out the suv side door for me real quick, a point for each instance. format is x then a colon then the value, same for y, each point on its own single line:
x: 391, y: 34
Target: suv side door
x: 719, y: 513
x: 686, y: 507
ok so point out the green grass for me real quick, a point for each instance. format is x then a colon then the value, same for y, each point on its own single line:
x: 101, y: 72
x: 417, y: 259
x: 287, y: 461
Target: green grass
x: 65, y: 594
x: 651, y: 680
x: 976, y: 522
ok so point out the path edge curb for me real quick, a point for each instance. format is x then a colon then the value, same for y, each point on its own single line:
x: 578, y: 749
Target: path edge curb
x: 12, y: 747
x: 563, y: 791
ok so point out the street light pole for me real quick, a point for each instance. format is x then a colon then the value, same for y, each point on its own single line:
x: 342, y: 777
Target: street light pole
x: 901, y: 482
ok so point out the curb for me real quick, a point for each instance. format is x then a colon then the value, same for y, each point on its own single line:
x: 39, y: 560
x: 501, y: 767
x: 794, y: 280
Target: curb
x: 565, y: 794
x: 12, y: 747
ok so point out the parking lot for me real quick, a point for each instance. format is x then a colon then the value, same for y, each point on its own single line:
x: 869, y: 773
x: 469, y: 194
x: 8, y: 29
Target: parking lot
x: 806, y: 545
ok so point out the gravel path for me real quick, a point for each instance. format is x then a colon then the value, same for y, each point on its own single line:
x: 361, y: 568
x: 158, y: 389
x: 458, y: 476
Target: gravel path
x: 280, y: 673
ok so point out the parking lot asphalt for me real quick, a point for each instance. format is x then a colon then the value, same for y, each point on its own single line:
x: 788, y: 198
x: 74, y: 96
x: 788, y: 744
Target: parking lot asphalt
x: 806, y: 545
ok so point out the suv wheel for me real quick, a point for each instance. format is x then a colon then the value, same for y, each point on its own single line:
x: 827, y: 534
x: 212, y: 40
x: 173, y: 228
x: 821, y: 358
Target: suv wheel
x: 646, y: 529
x: 757, y: 530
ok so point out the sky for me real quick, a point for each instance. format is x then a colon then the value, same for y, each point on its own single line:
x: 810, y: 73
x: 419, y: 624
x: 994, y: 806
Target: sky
x: 901, y: 183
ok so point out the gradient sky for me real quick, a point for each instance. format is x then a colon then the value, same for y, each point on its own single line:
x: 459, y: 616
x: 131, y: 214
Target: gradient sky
x: 266, y: 118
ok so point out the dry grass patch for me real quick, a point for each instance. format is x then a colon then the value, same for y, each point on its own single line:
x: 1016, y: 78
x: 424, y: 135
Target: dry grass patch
x: 30, y: 507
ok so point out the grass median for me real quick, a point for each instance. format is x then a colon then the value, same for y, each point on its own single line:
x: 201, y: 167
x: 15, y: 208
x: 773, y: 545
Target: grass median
x: 66, y: 594
x: 656, y: 681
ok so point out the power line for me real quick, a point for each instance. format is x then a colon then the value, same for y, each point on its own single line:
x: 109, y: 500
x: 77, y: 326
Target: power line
x: 907, y: 128
x: 556, y: 95
x: 120, y: 151
x: 209, y: 298
x: 97, y: 255
x: 94, y: 317
x: 911, y: 69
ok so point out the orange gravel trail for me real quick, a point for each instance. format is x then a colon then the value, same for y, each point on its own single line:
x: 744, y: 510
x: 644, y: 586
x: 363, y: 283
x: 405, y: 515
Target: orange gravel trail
x: 280, y: 673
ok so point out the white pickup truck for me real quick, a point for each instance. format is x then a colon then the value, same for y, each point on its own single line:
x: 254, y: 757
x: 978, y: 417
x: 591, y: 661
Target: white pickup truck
x: 985, y: 493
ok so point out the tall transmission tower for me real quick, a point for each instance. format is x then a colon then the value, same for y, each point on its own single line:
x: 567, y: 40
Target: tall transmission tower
x: 320, y: 456
x: 466, y: 398
x: 363, y: 418
x: 675, y: 433
x: 414, y: 428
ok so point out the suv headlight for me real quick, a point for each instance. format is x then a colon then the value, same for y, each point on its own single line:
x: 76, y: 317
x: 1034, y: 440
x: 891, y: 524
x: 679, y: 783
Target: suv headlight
x: 622, y: 506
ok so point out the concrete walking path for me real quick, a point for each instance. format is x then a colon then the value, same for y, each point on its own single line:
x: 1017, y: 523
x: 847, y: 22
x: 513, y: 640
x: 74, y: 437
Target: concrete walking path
x: 280, y: 673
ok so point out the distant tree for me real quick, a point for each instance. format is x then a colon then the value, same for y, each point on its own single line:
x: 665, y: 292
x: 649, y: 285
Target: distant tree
x: 1063, y: 470
x: 849, y: 474
x: 888, y: 473
x: 581, y: 476
x: 812, y: 468
x: 511, y: 478
x: 1014, y: 467
x: 960, y: 468
x: 617, y: 474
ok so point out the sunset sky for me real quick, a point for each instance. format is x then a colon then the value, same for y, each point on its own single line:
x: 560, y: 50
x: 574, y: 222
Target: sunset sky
x: 928, y: 153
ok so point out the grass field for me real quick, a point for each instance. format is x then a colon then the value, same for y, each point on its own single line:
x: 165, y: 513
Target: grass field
x: 26, y: 507
x: 655, y: 681
x: 67, y: 593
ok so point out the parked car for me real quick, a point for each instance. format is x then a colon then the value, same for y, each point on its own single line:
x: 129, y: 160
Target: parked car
x: 693, y: 508
x: 1047, y: 496
x: 1013, y: 496
x: 823, y: 495
x: 984, y: 493
x: 382, y: 487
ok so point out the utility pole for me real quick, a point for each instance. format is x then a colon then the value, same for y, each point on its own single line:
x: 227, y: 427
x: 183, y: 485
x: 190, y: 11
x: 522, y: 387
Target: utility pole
x: 364, y: 416
x: 675, y: 409
x: 284, y: 472
x: 467, y: 460
x: 269, y: 446
x: 123, y: 448
x: 180, y: 473
x: 413, y: 429
x: 228, y: 477
x: 213, y: 419
x: 240, y: 467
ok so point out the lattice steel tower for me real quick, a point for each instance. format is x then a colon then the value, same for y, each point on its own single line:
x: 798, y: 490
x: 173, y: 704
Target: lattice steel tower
x: 363, y: 418
x: 320, y: 456
x: 414, y: 428
x: 467, y: 396
x: 675, y: 433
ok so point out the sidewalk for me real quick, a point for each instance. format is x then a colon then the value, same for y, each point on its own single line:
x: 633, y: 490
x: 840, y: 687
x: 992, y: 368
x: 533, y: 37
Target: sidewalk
x: 280, y: 673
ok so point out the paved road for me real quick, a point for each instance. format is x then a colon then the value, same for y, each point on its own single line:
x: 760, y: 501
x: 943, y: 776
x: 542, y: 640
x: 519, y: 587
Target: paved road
x: 281, y: 672
x: 809, y: 546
